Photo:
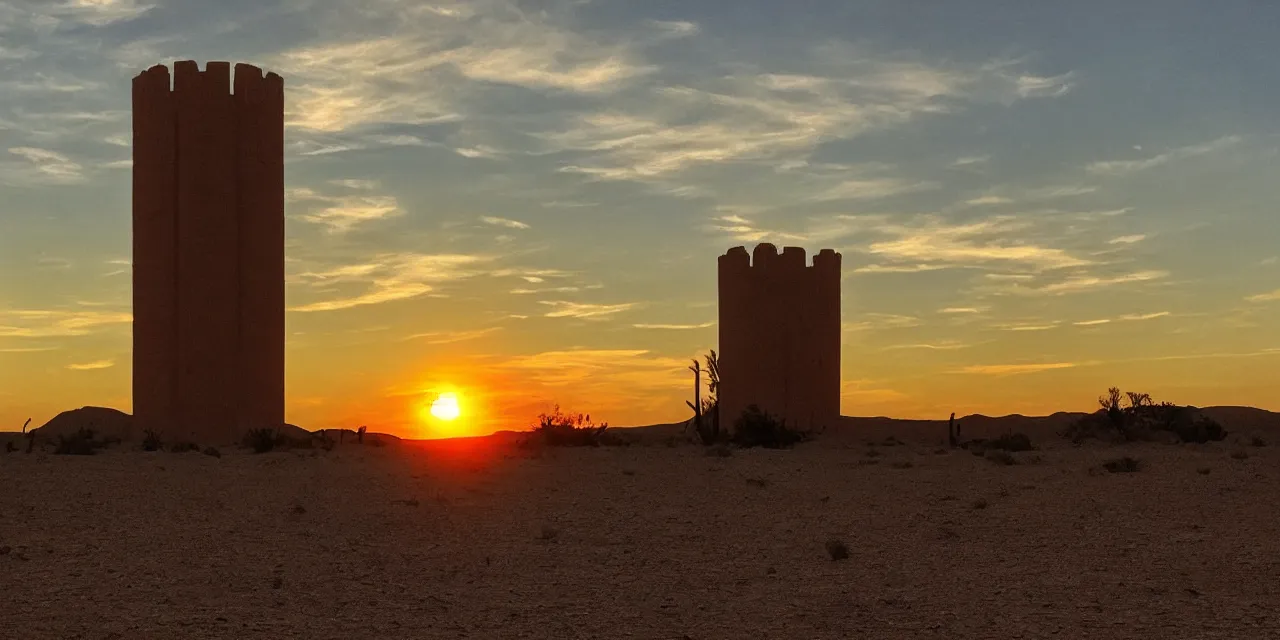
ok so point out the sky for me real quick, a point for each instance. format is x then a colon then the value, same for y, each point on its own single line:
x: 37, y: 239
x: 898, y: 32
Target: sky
x: 522, y: 201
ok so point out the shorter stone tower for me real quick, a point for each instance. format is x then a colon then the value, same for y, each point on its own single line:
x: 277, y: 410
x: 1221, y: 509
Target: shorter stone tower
x: 780, y: 335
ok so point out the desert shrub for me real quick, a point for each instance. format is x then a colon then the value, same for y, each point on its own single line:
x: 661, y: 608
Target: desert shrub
x: 1011, y: 442
x: 80, y: 443
x: 755, y: 428
x: 979, y: 503
x: 837, y: 549
x: 262, y: 440
x: 1123, y: 465
x: 151, y: 441
x: 559, y: 429
x: 1144, y: 420
x: 1257, y: 441
x: 210, y: 451
x: 184, y: 447
x: 10, y: 447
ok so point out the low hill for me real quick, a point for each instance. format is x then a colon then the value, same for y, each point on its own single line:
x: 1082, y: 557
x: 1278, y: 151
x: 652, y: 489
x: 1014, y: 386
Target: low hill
x: 113, y: 424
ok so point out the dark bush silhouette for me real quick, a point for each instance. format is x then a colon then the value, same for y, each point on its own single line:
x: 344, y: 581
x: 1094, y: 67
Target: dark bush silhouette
x: 262, y: 440
x: 706, y: 411
x: 80, y: 443
x: 1144, y: 420
x: 755, y: 428
x: 559, y: 429
x: 1123, y: 465
x: 837, y: 549
x: 184, y: 447
x: 151, y: 441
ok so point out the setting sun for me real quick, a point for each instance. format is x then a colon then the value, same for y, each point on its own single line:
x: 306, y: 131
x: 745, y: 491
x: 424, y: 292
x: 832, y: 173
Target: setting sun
x: 446, y: 407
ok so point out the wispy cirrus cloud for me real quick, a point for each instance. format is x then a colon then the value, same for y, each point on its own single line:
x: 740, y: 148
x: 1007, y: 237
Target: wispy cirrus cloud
x: 773, y: 117
x: 1125, y: 167
x: 674, y: 327
x: 92, y: 366
x: 41, y: 166
x: 503, y: 222
x: 1270, y: 296
x: 343, y: 212
x: 985, y: 242
x: 389, y: 278
x: 54, y: 323
x: 1130, y: 317
x: 415, y: 65
x: 1015, y: 369
x: 584, y: 310
x: 451, y: 337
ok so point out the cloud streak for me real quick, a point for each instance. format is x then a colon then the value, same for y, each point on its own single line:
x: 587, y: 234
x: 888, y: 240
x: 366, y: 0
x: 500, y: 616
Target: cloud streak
x: 1126, y: 167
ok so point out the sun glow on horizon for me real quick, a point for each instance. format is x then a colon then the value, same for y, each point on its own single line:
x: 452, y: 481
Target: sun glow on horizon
x: 446, y: 407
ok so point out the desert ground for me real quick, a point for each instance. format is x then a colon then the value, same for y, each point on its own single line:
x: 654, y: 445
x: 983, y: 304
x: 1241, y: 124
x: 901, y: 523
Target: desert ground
x: 483, y: 539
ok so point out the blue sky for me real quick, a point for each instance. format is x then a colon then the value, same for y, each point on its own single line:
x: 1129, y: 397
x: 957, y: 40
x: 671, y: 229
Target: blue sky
x: 1034, y: 200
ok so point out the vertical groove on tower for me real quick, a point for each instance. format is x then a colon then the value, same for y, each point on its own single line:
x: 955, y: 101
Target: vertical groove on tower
x: 155, y: 328
x: 260, y: 176
x: 208, y: 317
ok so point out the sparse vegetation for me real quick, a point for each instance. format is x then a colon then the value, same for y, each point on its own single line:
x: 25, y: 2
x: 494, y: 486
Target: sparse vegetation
x: 80, y: 443
x: 559, y: 429
x: 1204, y: 471
x: 184, y: 447
x: 151, y: 441
x: 706, y: 411
x: 998, y: 449
x: 755, y: 428
x: 837, y: 549
x: 1123, y: 465
x: 979, y: 503
x: 210, y: 451
x: 548, y: 533
x: 262, y: 440
x: 1257, y: 441
x: 1240, y: 454
x: 1144, y: 420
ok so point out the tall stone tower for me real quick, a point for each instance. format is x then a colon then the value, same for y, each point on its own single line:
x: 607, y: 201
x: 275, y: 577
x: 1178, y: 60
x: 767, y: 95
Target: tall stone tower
x: 780, y: 335
x: 208, y: 251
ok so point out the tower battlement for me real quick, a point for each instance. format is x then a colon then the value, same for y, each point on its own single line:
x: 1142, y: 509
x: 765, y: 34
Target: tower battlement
x: 766, y: 255
x: 780, y: 334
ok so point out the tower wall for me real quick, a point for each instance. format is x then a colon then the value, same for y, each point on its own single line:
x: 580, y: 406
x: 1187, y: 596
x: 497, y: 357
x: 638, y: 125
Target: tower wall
x: 780, y: 335
x: 208, y: 251
x: 155, y: 252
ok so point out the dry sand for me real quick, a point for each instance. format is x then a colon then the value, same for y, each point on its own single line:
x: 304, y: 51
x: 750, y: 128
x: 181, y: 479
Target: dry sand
x: 477, y: 539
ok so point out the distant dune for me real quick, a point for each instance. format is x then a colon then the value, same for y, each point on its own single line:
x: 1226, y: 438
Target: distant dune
x: 108, y: 423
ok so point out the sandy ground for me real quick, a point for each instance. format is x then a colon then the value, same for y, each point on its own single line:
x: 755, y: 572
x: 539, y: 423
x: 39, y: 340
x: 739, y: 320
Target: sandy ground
x: 486, y: 541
